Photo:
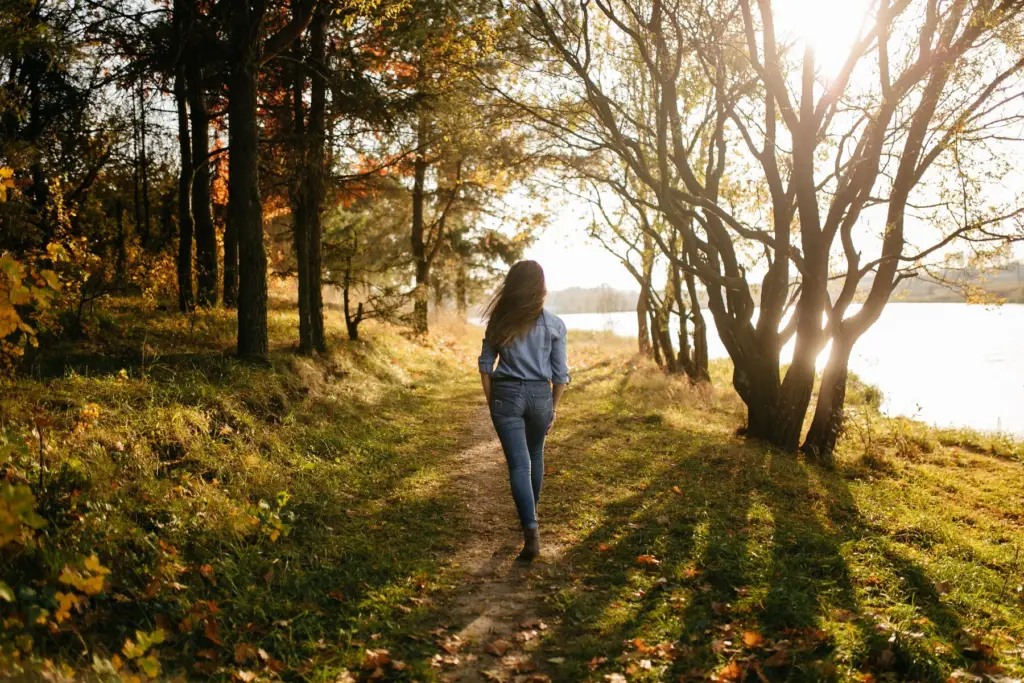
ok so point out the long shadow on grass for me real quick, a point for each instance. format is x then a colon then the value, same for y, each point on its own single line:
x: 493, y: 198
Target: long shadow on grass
x: 748, y: 540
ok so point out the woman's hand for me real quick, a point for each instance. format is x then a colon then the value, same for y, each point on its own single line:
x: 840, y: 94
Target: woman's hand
x: 552, y: 423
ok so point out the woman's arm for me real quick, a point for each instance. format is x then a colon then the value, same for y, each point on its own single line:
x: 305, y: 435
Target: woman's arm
x: 556, y: 394
x: 485, y: 379
x: 488, y: 354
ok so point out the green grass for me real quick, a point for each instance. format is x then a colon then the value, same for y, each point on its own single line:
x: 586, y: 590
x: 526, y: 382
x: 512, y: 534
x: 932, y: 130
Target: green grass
x: 297, y: 507
x: 904, y: 562
x: 280, y: 520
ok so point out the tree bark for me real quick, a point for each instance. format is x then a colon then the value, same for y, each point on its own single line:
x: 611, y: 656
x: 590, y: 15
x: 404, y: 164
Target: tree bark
x: 300, y: 198
x: 144, y: 168
x: 316, y: 165
x: 419, y: 247
x: 643, y: 302
x: 202, y: 212
x: 246, y: 212
x: 230, y: 260
x: 461, y: 287
x: 655, y: 343
x: 827, y: 424
x: 186, y: 299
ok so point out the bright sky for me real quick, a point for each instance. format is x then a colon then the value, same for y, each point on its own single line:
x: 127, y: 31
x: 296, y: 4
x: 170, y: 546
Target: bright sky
x: 571, y: 259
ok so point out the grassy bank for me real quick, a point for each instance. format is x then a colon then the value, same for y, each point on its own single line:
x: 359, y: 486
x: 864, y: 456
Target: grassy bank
x: 197, y: 516
x: 695, y: 554
x: 251, y: 520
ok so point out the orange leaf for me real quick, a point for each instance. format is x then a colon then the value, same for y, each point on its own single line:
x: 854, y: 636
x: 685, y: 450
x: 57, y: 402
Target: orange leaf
x: 752, y: 639
x: 244, y: 652
x: 374, y: 659
x: 604, y: 547
x: 211, y: 631
x: 676, y: 489
x: 648, y: 560
x: 730, y: 672
x: 207, y: 573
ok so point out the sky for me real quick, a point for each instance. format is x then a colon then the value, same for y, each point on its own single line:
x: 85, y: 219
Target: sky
x: 571, y: 259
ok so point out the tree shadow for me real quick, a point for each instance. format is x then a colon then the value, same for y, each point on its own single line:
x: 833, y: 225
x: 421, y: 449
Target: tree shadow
x: 747, y: 540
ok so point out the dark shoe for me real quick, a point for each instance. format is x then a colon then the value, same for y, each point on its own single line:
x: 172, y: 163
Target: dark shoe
x: 531, y: 545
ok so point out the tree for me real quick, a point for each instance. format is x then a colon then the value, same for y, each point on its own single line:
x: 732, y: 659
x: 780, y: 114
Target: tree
x: 734, y: 102
x: 249, y: 49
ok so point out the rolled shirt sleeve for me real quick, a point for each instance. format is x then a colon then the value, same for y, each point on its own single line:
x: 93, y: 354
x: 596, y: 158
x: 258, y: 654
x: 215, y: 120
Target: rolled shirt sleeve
x: 559, y: 355
x: 488, y: 354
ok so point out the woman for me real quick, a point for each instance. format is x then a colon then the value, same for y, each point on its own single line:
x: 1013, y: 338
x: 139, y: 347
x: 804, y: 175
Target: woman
x: 523, y: 391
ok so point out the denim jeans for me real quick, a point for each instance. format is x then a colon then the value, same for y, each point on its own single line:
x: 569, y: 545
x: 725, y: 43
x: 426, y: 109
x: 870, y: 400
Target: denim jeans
x: 521, y: 412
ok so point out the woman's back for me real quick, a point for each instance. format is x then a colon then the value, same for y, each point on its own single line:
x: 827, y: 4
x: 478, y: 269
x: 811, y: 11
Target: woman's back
x: 539, y: 354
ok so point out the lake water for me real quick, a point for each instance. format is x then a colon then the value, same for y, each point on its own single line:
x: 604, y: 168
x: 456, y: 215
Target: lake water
x: 951, y: 365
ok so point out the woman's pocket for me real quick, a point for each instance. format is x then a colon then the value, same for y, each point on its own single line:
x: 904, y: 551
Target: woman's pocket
x: 506, y: 402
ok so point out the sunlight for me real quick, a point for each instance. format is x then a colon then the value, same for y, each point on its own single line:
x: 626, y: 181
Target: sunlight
x: 829, y: 26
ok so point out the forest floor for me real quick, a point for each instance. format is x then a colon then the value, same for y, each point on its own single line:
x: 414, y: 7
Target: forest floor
x: 348, y: 518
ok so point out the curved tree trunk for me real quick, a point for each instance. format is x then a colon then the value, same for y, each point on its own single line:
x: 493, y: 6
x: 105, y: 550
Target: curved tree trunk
x: 827, y: 424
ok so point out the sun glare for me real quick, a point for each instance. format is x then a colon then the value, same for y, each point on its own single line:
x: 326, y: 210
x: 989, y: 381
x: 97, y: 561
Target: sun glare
x: 829, y: 26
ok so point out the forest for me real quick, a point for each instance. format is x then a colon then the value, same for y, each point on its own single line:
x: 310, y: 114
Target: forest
x: 242, y: 247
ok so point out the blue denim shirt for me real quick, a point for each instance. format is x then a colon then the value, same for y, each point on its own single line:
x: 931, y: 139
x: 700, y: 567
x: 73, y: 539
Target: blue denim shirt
x: 540, y: 355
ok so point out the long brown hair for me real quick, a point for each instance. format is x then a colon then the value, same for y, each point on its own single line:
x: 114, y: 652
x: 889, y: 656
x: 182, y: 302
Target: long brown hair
x: 517, y: 304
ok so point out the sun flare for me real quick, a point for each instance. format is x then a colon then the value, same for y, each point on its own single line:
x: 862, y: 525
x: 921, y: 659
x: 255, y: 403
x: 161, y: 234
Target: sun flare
x: 830, y: 27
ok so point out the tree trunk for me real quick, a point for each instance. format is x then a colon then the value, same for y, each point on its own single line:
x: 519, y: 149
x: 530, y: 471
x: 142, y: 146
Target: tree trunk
x: 419, y: 247
x: 655, y: 342
x: 122, y: 249
x: 643, y: 335
x: 206, y: 234
x: 185, y: 295
x: 700, y: 331
x: 144, y: 167
x: 300, y: 198
x: 246, y: 213
x: 230, y: 261
x: 317, y: 167
x: 827, y: 424
x: 461, y: 286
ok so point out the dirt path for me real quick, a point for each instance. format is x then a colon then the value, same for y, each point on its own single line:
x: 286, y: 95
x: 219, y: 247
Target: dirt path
x: 494, y: 628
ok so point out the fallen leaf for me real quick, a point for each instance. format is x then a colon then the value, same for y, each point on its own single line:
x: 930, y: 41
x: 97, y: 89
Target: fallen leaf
x: 603, y: 548
x: 752, y: 639
x: 212, y: 632
x: 498, y: 648
x: 676, y: 489
x: 730, y: 672
x: 843, y: 615
x: 244, y: 652
x: 596, y: 662
x: 374, y: 659
x: 206, y: 571
x: 778, y: 658
x: 648, y: 560
x: 615, y: 678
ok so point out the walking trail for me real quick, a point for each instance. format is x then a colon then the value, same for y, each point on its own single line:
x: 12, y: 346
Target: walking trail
x: 494, y: 628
